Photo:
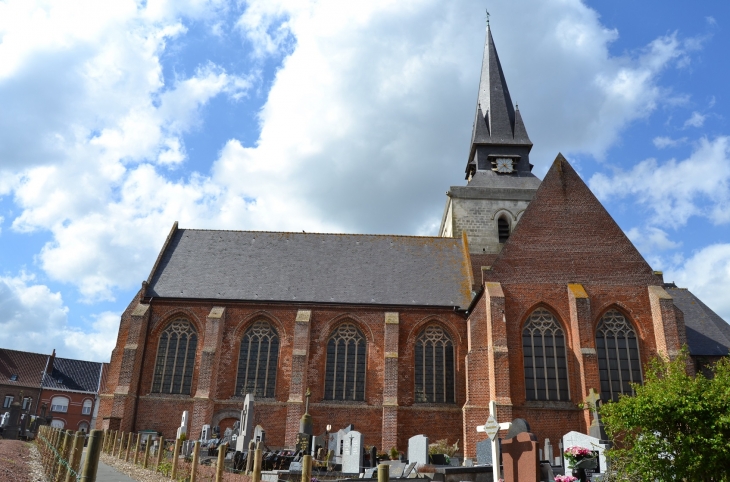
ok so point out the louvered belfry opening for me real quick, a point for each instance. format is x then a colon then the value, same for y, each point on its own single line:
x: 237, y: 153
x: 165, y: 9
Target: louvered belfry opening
x: 543, y: 350
x: 503, y: 229
x: 434, y: 369
x: 175, y: 359
x: 258, y: 359
x: 345, y: 374
x: 619, y: 364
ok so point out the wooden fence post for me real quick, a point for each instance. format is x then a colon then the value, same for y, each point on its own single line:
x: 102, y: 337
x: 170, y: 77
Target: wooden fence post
x: 147, y: 451
x: 136, y: 448
x: 74, y: 457
x: 175, y: 457
x: 194, y: 464
x: 222, y: 449
x: 93, y: 450
x: 160, y: 452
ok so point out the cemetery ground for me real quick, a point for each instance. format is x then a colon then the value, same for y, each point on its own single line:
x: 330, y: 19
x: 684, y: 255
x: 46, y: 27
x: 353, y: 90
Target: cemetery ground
x: 19, y: 462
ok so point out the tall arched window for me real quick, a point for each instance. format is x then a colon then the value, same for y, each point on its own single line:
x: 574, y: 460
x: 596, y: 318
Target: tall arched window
x: 543, y: 348
x: 618, y: 355
x: 345, y: 375
x: 257, y: 361
x: 434, y: 368
x: 175, y: 358
x: 503, y: 229
x: 86, y: 408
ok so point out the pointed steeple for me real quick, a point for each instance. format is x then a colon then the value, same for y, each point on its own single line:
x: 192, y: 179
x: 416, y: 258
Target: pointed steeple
x: 496, y: 123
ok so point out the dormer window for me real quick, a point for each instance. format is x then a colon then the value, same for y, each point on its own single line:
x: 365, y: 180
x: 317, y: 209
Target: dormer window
x: 14, y: 378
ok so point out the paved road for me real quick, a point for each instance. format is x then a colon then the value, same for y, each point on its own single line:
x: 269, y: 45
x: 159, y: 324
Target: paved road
x: 106, y: 473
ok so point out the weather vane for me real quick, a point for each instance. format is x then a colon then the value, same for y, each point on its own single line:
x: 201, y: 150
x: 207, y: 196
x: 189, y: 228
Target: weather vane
x: 487, y: 18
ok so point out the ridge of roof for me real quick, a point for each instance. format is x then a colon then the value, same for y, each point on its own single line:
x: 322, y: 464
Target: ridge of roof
x: 318, y: 233
x: 567, y: 236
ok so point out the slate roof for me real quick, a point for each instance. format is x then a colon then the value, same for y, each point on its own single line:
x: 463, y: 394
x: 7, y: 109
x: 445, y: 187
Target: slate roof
x: 707, y: 333
x: 77, y: 375
x: 312, y: 267
x: 27, y: 366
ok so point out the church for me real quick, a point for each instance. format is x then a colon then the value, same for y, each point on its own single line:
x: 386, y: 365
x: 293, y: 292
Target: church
x: 531, y: 295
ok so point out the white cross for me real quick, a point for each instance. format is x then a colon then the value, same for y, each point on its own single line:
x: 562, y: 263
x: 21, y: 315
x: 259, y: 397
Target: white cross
x: 489, y: 428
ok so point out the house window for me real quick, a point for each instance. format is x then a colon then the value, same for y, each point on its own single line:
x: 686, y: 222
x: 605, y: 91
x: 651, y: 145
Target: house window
x: 618, y: 355
x: 257, y: 361
x: 503, y: 229
x: 345, y: 374
x: 84, y: 427
x: 59, y: 404
x: 175, y: 359
x: 434, y: 368
x: 543, y: 348
x: 27, y: 402
x: 56, y: 423
x: 8, y: 401
x: 86, y: 408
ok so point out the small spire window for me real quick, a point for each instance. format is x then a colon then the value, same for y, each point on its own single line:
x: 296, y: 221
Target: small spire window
x: 503, y: 229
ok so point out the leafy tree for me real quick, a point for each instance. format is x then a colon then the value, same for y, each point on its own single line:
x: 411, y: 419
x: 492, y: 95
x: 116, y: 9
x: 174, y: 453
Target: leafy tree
x: 676, y: 427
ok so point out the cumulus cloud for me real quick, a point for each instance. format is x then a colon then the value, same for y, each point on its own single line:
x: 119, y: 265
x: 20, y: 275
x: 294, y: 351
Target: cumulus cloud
x: 367, y: 120
x: 695, y: 120
x: 650, y: 239
x: 707, y: 274
x: 34, y: 318
x: 674, y: 191
x: 663, y: 142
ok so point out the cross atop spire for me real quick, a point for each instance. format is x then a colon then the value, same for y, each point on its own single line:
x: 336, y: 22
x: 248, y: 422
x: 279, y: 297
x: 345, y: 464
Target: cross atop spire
x: 496, y: 122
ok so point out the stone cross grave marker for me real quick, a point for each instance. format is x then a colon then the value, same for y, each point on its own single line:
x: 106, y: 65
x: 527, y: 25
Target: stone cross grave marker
x: 246, y: 430
x: 491, y: 428
x: 352, y: 456
x: 259, y: 434
x: 418, y: 449
x: 205, y: 432
x: 596, y: 429
x: 183, y: 429
x: 520, y: 457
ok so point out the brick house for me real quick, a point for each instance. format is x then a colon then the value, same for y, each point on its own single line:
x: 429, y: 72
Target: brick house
x: 20, y: 378
x: 530, y: 296
x: 70, y: 392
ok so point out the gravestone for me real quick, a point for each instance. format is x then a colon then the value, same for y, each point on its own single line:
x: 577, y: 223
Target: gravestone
x: 295, y: 467
x: 409, y: 469
x: 205, y: 433
x: 468, y: 463
x: 373, y: 456
x: 369, y: 473
x: 520, y: 458
x: 438, y: 459
x: 547, y: 453
x: 259, y: 434
x: 337, y: 443
x: 246, y: 426
x: 13, y: 422
x: 183, y: 428
x: 352, y: 455
x: 484, y: 452
x: 303, y: 443
x: 396, y: 469
x: 418, y: 449
x: 317, y: 442
x: 519, y: 425
x: 577, y: 439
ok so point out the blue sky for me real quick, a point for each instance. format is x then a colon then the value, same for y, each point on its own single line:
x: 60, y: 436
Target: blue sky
x: 119, y: 118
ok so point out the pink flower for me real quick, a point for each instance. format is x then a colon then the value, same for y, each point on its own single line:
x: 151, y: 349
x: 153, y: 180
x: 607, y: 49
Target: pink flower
x: 565, y: 478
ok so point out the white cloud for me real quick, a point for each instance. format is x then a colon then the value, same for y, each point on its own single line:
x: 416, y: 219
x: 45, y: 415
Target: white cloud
x: 366, y: 123
x: 695, y: 120
x: 675, y: 191
x: 651, y: 239
x: 664, y: 142
x: 707, y: 274
x: 34, y: 318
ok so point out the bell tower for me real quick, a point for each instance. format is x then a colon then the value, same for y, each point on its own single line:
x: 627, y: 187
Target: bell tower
x: 500, y: 183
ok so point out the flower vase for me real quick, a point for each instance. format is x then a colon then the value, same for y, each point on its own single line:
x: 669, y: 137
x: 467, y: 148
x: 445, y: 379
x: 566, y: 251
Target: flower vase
x: 580, y: 474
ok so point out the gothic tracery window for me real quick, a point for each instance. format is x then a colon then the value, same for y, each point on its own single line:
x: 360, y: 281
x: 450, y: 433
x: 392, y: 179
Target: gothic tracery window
x: 434, y: 368
x: 175, y: 358
x: 345, y: 373
x: 257, y: 361
x: 543, y: 348
x: 618, y: 355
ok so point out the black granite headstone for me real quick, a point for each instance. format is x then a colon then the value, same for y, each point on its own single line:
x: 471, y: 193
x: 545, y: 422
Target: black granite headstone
x: 519, y: 425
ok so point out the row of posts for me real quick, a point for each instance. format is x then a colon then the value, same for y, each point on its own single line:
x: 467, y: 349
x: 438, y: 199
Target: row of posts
x: 61, y: 454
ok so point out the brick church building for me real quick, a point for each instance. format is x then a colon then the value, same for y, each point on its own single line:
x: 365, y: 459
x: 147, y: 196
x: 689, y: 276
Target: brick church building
x: 531, y: 295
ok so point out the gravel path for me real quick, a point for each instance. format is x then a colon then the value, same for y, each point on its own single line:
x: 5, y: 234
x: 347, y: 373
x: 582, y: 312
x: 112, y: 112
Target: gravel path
x: 20, y: 462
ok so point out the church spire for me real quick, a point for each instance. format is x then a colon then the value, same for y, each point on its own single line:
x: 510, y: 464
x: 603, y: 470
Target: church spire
x: 496, y: 123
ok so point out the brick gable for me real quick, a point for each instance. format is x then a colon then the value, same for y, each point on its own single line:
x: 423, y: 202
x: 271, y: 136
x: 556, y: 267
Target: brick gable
x: 567, y: 236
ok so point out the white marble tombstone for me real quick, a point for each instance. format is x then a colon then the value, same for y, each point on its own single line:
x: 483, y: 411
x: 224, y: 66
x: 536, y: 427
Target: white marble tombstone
x: 352, y: 453
x: 205, y: 433
x: 577, y: 439
x: 547, y: 453
x: 246, y: 432
x: 337, y: 443
x: 418, y: 449
x: 183, y: 429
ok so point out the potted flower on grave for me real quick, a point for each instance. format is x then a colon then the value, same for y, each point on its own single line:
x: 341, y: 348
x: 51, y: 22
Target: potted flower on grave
x: 565, y: 478
x: 580, y: 458
x: 394, y: 454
